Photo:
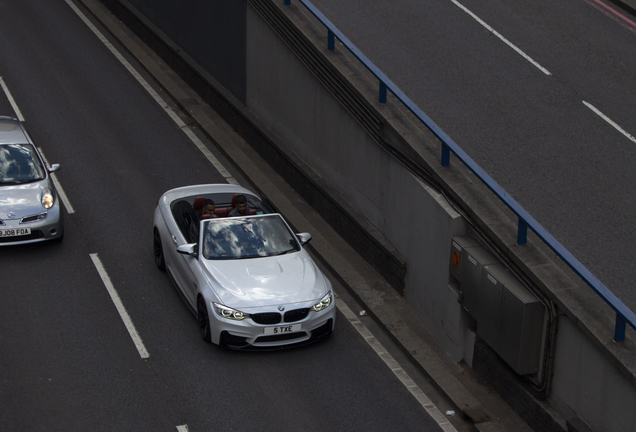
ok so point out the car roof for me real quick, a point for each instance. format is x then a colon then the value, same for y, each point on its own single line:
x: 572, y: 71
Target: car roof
x: 11, y: 132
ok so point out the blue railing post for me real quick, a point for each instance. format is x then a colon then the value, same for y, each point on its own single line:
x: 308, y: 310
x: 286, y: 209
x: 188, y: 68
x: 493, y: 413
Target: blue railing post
x: 619, y: 330
x: 522, y: 232
x: 382, y: 92
x: 445, y: 155
x: 331, y: 42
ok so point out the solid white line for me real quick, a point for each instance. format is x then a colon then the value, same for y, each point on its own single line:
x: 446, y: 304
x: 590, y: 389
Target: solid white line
x: 400, y: 373
x: 503, y: 39
x: 120, y: 306
x: 183, y: 428
x: 58, y: 187
x: 607, y: 119
x: 206, y: 152
x: 11, y: 100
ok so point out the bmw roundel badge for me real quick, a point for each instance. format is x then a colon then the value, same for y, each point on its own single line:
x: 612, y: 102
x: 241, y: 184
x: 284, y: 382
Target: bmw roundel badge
x: 281, y: 308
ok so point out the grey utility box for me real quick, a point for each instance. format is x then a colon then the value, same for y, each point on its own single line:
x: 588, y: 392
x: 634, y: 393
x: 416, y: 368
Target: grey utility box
x: 458, y: 244
x: 489, y: 312
x: 472, y: 261
x: 467, y: 260
x: 521, y: 332
x: 511, y: 319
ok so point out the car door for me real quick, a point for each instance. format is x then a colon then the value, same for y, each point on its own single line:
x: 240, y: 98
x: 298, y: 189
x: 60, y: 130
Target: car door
x: 184, y: 230
x: 190, y: 272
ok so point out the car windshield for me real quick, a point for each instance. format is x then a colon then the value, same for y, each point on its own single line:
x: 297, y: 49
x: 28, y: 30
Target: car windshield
x: 249, y: 237
x: 19, y: 164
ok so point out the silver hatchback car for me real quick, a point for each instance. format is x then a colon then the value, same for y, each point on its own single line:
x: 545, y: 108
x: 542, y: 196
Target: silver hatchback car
x: 30, y: 210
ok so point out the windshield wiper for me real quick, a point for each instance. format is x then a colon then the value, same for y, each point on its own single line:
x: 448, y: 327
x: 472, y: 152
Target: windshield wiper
x: 286, y: 252
x: 17, y: 182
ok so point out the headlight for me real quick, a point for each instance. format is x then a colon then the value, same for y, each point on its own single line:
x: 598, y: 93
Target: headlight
x: 229, y: 313
x: 47, y: 198
x: 323, y: 304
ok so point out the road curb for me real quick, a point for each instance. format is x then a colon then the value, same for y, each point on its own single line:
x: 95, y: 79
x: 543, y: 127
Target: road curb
x: 628, y: 5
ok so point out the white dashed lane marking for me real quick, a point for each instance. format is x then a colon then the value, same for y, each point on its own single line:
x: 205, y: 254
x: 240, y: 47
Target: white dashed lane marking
x: 120, y: 306
x: 14, y: 105
x: 503, y: 39
x: 608, y: 120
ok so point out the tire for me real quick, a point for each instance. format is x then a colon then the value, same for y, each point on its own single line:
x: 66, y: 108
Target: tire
x: 203, y: 320
x: 158, y: 250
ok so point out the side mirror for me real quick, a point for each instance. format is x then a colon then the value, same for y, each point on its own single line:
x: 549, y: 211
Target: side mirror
x: 188, y: 249
x: 54, y: 167
x: 304, y: 238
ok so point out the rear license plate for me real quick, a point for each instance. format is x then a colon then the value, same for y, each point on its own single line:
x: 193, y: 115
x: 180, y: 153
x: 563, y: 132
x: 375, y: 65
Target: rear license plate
x: 282, y: 329
x: 14, y: 232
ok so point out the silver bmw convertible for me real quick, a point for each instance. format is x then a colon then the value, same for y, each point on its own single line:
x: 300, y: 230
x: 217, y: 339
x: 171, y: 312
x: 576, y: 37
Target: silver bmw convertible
x: 244, y: 273
x: 29, y: 206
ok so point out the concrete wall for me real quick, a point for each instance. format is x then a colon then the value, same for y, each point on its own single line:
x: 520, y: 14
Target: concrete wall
x: 426, y: 245
x: 299, y: 109
x: 212, y: 32
x: 586, y: 383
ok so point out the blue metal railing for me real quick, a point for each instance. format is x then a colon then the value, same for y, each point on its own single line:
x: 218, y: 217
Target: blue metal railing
x: 624, y: 315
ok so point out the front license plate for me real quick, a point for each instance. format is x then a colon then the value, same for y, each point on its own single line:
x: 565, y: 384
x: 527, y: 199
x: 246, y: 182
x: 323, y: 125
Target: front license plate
x: 282, y: 329
x: 14, y: 232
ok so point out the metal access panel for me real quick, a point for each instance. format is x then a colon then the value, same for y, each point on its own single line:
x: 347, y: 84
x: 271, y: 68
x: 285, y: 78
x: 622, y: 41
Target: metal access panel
x: 521, y: 328
x: 458, y: 244
x: 488, y: 314
x: 472, y: 261
x: 513, y: 320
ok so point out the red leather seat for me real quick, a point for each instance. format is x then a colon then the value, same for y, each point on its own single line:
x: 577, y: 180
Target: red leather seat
x: 198, y: 203
x: 222, y: 211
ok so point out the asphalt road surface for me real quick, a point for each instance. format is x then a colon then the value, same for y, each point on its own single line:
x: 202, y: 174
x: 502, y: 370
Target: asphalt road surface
x: 67, y: 358
x: 541, y: 136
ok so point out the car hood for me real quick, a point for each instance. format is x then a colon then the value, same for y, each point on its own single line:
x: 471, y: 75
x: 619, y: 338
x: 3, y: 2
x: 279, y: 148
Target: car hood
x: 269, y: 281
x: 23, y: 199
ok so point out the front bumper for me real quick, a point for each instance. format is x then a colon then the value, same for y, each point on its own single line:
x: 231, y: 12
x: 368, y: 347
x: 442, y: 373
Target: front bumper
x: 47, y: 229
x: 246, y: 334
